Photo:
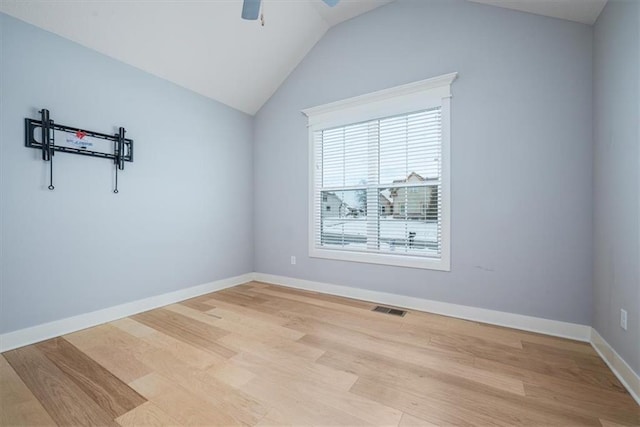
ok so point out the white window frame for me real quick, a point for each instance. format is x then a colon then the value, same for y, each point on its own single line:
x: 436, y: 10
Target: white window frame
x: 417, y: 96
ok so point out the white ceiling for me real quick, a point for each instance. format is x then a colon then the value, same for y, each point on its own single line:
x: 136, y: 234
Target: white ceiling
x: 205, y: 46
x: 202, y: 45
x: 584, y: 11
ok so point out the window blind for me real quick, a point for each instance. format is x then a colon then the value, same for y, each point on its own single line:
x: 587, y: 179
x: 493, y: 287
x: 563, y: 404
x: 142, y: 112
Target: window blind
x: 377, y: 185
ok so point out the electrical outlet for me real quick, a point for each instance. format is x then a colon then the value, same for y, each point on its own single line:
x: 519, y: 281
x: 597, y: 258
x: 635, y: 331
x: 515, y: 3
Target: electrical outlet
x: 293, y: 260
x: 623, y: 319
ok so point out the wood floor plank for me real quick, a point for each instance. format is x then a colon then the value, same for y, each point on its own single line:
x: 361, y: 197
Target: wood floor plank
x: 147, y: 414
x: 292, y: 368
x: 186, y: 408
x: 475, y: 395
x: 441, y: 385
x: 364, y: 409
x: 271, y: 347
x: 231, y: 374
x: 101, y: 335
x: 556, y: 342
x: 621, y: 411
x: 256, y: 307
x: 113, y: 349
x: 255, y: 311
x: 607, y: 423
x: 302, y: 315
x: 65, y: 402
x: 584, y: 360
x: 299, y: 410
x: 307, y: 386
x: 418, y: 349
x: 319, y: 300
x: 238, y: 298
x: 420, y: 406
x: 568, y: 377
x: 218, y: 395
x: 411, y: 421
x: 348, y: 359
x: 563, y: 367
x: 134, y: 328
x: 275, y: 296
x: 199, y: 303
x: 254, y: 285
x: 114, y: 396
x: 192, y: 313
x: 18, y: 406
x: 361, y: 304
x: 490, y: 333
x: 454, y: 405
x: 232, y: 321
x: 351, y: 344
x: 276, y: 419
x: 312, y: 322
x: 191, y: 355
x: 191, y: 331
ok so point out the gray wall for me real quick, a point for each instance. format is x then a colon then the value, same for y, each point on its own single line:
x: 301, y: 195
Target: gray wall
x: 182, y: 218
x: 616, y: 179
x: 521, y: 153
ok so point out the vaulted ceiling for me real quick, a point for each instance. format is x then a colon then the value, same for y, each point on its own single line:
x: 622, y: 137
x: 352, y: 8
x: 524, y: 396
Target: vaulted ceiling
x: 202, y: 45
x: 205, y: 46
x: 583, y: 11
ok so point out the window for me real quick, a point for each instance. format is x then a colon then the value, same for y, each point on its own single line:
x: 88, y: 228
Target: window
x: 383, y: 159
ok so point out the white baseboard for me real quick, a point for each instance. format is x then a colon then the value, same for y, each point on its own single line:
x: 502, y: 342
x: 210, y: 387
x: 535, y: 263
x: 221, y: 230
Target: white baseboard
x: 617, y: 364
x: 511, y: 320
x: 57, y: 328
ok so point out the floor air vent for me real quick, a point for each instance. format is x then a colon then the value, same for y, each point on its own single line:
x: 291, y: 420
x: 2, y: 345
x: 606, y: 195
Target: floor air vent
x: 389, y: 310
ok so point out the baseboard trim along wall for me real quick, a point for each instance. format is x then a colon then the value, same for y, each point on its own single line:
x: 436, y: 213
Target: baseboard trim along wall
x: 518, y: 321
x: 617, y: 364
x: 556, y: 328
x: 57, y: 328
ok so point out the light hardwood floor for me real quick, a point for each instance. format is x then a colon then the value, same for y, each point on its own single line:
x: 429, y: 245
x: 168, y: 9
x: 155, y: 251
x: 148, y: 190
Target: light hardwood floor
x: 259, y: 354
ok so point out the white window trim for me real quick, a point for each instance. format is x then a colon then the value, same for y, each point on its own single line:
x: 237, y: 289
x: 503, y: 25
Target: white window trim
x: 415, y: 96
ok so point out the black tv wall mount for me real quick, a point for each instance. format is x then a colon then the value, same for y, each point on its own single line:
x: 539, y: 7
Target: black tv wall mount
x: 50, y: 137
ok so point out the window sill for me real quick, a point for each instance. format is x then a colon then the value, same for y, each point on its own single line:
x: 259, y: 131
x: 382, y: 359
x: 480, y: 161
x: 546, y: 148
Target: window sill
x: 384, y: 259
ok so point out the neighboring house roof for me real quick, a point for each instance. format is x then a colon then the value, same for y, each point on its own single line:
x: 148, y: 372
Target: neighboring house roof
x: 408, y: 178
x: 413, y: 176
x: 386, y: 194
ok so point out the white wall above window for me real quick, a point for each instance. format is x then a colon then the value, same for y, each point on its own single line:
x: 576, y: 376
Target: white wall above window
x: 380, y: 163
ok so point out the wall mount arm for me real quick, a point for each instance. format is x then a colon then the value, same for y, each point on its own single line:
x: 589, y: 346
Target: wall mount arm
x: 75, y: 140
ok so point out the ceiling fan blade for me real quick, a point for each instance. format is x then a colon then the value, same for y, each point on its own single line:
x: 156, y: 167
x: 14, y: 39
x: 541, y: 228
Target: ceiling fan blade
x: 331, y: 3
x: 251, y: 9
